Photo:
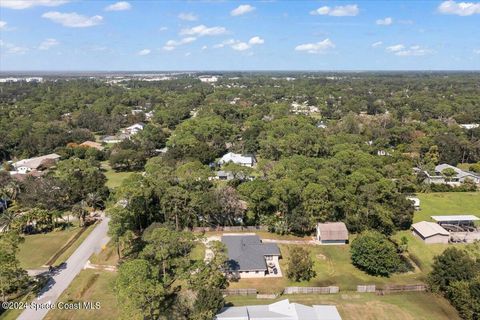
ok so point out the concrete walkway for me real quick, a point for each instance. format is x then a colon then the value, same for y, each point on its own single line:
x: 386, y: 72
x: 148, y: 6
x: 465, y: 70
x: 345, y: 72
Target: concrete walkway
x: 65, y: 275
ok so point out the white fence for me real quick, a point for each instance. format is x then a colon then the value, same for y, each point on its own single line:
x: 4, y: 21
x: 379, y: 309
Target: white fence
x: 310, y: 290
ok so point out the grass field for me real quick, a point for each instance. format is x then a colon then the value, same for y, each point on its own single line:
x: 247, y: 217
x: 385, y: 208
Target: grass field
x: 368, y: 306
x: 447, y: 203
x: 90, y: 285
x: 38, y: 248
x: 108, y: 256
x: 332, y: 266
x: 114, y: 178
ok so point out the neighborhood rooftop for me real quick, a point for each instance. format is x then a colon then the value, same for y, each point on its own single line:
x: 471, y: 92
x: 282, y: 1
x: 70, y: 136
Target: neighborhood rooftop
x: 427, y: 229
x: 455, y: 218
x: 247, y: 252
x: 333, y: 231
x: 282, y: 310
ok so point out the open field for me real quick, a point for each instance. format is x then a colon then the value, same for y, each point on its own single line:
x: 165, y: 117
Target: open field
x: 114, y: 178
x: 38, y: 248
x: 368, y: 306
x: 447, y: 203
x: 90, y: 285
x: 262, y: 235
x: 108, y: 256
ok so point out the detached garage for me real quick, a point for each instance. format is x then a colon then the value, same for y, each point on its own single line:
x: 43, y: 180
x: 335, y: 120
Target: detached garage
x: 332, y: 233
x: 430, y: 232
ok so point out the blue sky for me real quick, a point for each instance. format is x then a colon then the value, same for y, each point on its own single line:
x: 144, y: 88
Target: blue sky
x: 238, y: 35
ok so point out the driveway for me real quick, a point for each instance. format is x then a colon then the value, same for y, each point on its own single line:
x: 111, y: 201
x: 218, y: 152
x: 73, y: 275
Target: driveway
x: 62, y: 279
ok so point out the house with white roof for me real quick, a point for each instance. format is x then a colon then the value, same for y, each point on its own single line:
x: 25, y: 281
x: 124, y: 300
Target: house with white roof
x: 430, y: 232
x: 469, y: 126
x: 134, y: 129
x: 281, y: 310
x: 415, y: 201
x: 27, y: 165
x: 460, y: 176
x: 243, y: 160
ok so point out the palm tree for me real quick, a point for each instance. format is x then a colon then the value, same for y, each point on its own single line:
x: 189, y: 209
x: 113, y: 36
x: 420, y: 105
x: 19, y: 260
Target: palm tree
x: 80, y: 211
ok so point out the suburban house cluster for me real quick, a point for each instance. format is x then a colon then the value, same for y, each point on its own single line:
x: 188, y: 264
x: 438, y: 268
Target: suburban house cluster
x: 247, y: 160
x: 281, y: 310
x: 448, y: 229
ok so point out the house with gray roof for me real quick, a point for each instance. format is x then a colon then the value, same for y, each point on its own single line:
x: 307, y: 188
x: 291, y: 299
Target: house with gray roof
x: 459, y: 177
x: 249, y: 257
x: 281, y: 310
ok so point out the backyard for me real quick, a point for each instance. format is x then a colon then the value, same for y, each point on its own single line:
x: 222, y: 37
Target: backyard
x: 447, y: 203
x: 368, y: 306
x: 114, y: 178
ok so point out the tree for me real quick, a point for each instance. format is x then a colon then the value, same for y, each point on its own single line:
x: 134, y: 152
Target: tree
x: 12, y: 276
x: 300, y: 264
x: 372, y: 252
x: 208, y: 302
x: 138, y: 289
x: 452, y: 265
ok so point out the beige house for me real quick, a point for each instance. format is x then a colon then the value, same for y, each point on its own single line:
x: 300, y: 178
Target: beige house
x: 332, y: 233
x: 430, y: 232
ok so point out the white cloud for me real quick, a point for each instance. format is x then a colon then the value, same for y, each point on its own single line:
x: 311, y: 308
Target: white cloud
x: 73, y: 19
x: 172, y: 44
x: 459, y: 8
x: 477, y: 51
x: 395, y: 48
x: 385, y: 22
x: 3, y: 24
x: 339, y: 11
x: 256, y: 40
x: 163, y: 29
x: 402, y: 50
x: 204, y: 48
x: 188, y: 54
x: 188, y: 16
x: 10, y: 48
x: 241, y: 10
x: 119, y: 6
x: 240, y: 45
x: 319, y: 47
x: 377, y: 44
x: 48, y: 43
x: 203, y: 30
x: 25, y: 4
x: 144, y: 52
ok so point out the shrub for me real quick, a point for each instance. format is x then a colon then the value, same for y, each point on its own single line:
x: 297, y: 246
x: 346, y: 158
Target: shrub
x: 300, y: 265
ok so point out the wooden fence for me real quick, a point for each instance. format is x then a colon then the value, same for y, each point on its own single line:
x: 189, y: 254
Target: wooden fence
x: 230, y: 228
x: 366, y: 288
x: 402, y: 288
x: 239, y: 292
x: 310, y: 290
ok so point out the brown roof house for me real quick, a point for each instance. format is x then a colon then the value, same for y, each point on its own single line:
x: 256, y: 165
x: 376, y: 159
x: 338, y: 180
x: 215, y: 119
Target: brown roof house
x: 430, y: 232
x: 332, y: 233
x: 92, y: 144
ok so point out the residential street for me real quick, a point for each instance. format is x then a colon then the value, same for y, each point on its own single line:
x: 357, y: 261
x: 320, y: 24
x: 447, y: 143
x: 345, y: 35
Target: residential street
x: 61, y: 280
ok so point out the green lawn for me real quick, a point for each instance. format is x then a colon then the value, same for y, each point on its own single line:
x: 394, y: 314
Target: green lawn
x: 114, y: 178
x: 90, y: 285
x: 332, y: 266
x: 38, y: 248
x: 108, y: 256
x: 368, y: 306
x: 447, y: 203
x: 64, y: 256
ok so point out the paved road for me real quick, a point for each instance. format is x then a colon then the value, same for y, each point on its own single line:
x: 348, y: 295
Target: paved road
x: 60, y: 281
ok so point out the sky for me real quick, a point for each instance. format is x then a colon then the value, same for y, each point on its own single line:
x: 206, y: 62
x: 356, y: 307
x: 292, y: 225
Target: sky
x: 63, y: 35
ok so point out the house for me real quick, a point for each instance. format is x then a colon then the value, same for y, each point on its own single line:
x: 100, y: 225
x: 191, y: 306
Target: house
x: 415, y: 201
x: 92, y: 144
x: 133, y: 129
x: 430, y: 232
x: 114, y: 139
x: 459, y: 177
x: 249, y: 257
x: 332, y: 233
x: 281, y: 310
x: 208, y: 79
x: 469, y: 126
x: 37, y: 163
x: 243, y: 160
x: 223, y: 175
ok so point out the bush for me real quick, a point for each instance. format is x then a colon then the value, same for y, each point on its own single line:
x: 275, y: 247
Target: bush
x: 300, y: 265
x: 373, y: 253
